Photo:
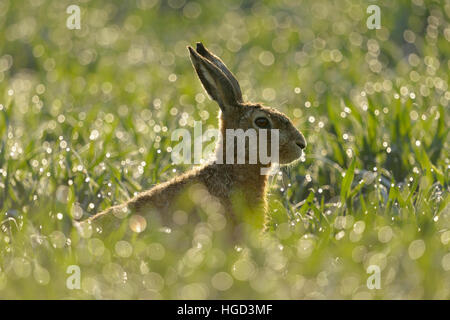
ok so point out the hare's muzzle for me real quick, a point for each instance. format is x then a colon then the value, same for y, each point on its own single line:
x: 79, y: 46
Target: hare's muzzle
x: 301, y: 141
x: 301, y: 144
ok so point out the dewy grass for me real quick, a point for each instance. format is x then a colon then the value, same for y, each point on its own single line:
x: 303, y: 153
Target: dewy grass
x: 85, y: 123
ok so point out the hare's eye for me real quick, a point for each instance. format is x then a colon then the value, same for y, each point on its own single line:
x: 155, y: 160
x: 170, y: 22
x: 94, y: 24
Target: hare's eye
x: 262, y: 122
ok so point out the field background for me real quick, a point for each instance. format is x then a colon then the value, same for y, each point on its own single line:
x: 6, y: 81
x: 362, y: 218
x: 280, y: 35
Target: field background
x: 86, y: 117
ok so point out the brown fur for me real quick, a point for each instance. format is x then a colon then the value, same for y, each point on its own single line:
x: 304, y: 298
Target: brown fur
x: 224, y: 182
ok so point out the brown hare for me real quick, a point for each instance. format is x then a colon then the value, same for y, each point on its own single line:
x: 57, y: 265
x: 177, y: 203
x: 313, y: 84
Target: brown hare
x: 236, y: 187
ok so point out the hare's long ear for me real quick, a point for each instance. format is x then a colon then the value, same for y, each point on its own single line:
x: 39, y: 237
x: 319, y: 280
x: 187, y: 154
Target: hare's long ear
x: 216, y: 83
x: 219, y: 63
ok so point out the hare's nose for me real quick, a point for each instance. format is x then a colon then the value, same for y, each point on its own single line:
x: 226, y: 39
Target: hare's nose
x: 301, y: 144
x: 300, y: 140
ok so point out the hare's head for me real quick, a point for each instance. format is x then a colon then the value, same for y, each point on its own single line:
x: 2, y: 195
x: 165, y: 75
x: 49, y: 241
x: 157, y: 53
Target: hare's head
x: 222, y: 86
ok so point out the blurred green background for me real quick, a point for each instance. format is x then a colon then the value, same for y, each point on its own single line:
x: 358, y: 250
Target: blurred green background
x: 86, y: 117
